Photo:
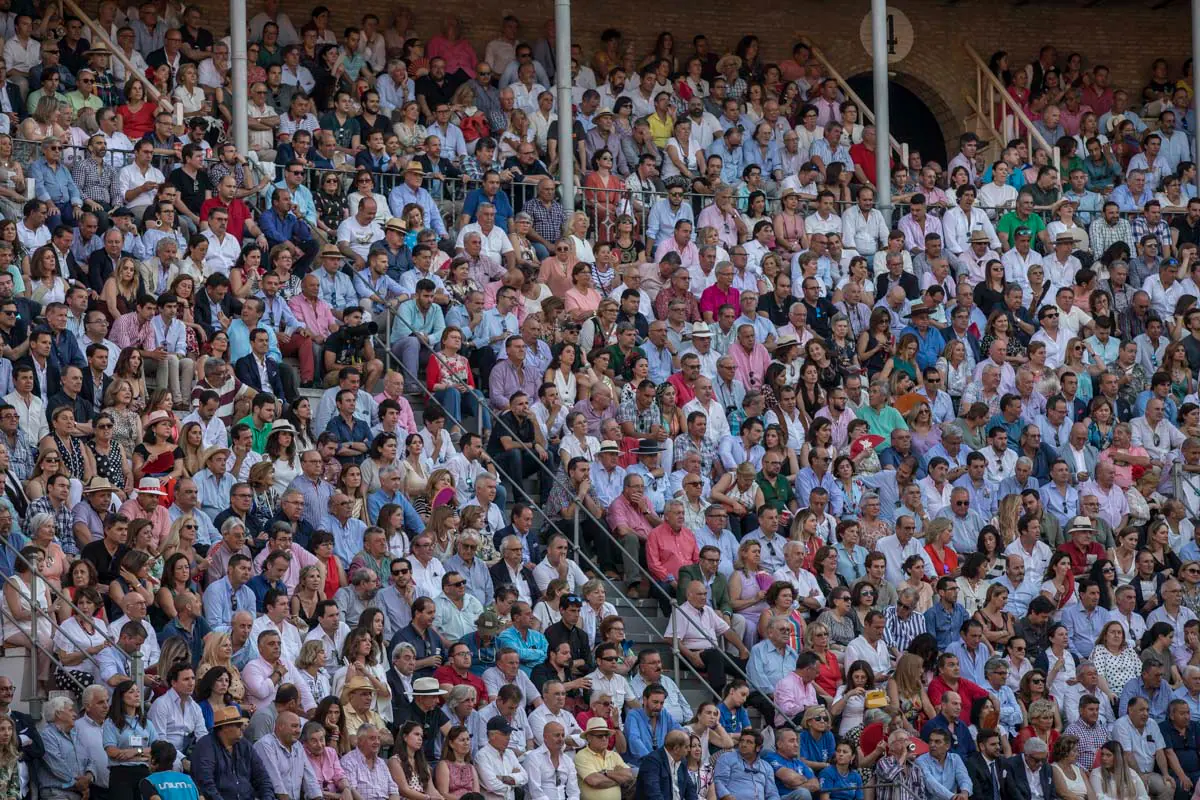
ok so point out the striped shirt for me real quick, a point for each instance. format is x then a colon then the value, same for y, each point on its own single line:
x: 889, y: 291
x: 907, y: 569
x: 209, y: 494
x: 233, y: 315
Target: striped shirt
x: 899, y: 633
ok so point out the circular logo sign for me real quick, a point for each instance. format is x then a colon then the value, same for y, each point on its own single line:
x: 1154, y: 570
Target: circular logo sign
x: 899, y: 34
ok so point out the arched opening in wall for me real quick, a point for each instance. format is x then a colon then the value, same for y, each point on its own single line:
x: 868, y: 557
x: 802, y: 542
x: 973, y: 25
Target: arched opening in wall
x: 912, y: 119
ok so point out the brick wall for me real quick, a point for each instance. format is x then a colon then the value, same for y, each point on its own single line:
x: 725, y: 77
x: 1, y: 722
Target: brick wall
x: 937, y: 68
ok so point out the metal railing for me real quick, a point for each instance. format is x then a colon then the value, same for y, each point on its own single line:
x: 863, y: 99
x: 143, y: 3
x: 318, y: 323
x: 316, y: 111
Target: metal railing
x: 36, y: 649
x: 864, y: 111
x: 574, y: 537
x: 996, y: 108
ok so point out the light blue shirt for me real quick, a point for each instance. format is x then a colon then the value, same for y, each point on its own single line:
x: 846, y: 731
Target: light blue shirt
x: 1061, y: 508
x: 134, y: 734
x: 66, y: 758
x: 213, y: 492
x: 768, y: 161
x: 276, y: 310
x: 221, y: 602
x: 337, y: 289
x: 410, y: 320
x: 1193, y: 703
x: 382, y: 286
x: 821, y: 149
x: 642, y: 740
x: 661, y: 366
x: 807, y: 480
x: 1125, y: 200
x: 239, y: 341
x: 454, y: 146
x: 409, y: 280
x: 731, y: 161
x: 347, y: 539
x: 661, y: 225
x: 493, y: 324
x: 402, y: 195
x: 768, y: 666
x: 412, y: 520
x: 1084, y: 627
x: 727, y: 543
x: 1019, y: 597
x: 984, y: 501
x: 733, y: 776
x: 971, y: 664
x: 54, y: 184
x: 607, y: 484
x: 947, y: 779
x: 174, y: 337
x: 944, y: 625
x: 207, y: 534
x: 392, y: 96
x: 656, y: 493
x: 303, y: 199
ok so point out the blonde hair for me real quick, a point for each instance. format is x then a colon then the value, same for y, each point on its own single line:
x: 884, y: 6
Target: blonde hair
x: 211, y: 657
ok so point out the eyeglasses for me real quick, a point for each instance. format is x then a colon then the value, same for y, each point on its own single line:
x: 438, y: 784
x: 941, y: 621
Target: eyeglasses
x: 106, y: 426
x: 191, y: 527
x: 400, y: 572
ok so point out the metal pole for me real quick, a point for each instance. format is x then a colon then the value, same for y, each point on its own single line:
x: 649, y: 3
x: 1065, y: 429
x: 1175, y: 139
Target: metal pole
x: 35, y: 610
x: 566, y: 115
x: 1195, y: 67
x: 883, y: 149
x: 241, y: 127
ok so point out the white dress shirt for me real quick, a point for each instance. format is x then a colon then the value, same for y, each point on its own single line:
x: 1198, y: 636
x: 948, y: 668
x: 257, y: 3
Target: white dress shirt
x: 494, y: 765
x: 547, y: 782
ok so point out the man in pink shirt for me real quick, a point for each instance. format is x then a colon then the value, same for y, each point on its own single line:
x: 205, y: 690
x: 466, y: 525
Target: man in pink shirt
x: 393, y: 389
x: 798, y: 689
x: 749, y: 357
x: 631, y: 519
x: 458, y: 53
x: 669, y: 547
x: 147, y: 505
x: 720, y: 293
x: 681, y: 243
x: 313, y: 312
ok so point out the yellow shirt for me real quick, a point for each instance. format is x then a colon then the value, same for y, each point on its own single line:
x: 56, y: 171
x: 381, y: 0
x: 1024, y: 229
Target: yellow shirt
x: 661, y: 129
x: 354, y: 720
x: 586, y: 763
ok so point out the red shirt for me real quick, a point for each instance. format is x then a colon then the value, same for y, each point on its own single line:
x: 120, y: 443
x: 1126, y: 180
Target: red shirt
x: 239, y: 212
x: 1079, y: 558
x: 862, y: 157
x: 667, y: 551
x: 969, y: 692
x: 446, y: 674
x: 684, y: 394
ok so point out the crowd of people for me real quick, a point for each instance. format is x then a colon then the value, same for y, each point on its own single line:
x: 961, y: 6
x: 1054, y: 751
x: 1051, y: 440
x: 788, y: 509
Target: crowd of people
x: 914, y: 494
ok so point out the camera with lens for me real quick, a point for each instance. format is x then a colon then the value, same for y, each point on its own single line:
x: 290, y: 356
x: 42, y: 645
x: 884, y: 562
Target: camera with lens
x: 357, y: 334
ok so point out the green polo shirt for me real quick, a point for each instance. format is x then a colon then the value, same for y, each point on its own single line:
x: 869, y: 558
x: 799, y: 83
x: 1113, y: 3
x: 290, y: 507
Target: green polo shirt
x: 259, y: 435
x: 882, y: 423
x: 1009, y: 223
x: 778, y: 494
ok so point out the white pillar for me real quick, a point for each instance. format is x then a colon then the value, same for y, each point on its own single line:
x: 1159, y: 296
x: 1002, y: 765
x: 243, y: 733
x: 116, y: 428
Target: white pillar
x: 237, y: 25
x: 566, y: 116
x: 883, y: 139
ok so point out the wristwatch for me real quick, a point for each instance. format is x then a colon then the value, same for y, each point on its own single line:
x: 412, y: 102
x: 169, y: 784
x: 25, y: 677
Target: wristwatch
x: 139, y: 751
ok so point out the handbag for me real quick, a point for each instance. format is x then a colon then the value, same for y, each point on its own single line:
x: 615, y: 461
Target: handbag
x: 876, y: 698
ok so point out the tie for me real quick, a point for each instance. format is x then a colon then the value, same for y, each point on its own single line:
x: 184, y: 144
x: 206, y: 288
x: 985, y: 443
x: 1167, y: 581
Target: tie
x: 995, y: 781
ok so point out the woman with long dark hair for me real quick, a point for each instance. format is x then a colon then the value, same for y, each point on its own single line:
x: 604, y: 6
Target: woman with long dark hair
x: 127, y: 735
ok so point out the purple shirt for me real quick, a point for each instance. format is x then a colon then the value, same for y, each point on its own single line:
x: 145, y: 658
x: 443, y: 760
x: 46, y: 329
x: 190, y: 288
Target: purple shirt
x: 504, y: 382
x: 371, y: 781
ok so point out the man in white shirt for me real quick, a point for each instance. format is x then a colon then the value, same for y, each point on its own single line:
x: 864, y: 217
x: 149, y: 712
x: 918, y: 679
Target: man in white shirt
x: 863, y: 227
x: 871, y: 648
x: 137, y: 183
x: 224, y: 249
x: 552, y: 711
x: 1001, y: 461
x: 275, y: 618
x: 175, y: 369
x: 959, y: 222
x: 900, y: 546
x: 557, y: 565
x: 176, y: 715
x: 499, y: 771
x: 551, y: 771
x: 1052, y: 335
